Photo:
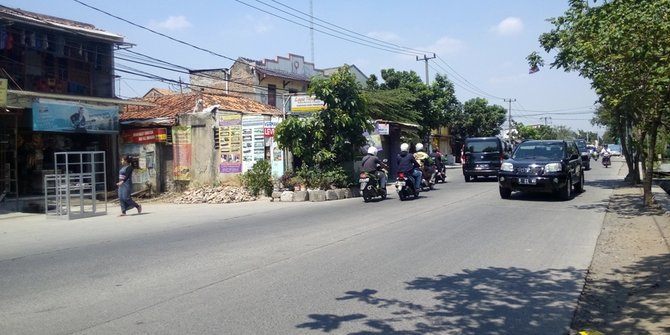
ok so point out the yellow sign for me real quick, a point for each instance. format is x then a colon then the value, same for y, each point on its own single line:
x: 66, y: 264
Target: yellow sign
x: 3, y: 92
x: 305, y: 103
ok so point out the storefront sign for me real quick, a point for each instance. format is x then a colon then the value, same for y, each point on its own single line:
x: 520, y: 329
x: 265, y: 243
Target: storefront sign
x: 306, y: 104
x: 269, y: 129
x: 65, y: 116
x: 382, y: 128
x: 145, y: 135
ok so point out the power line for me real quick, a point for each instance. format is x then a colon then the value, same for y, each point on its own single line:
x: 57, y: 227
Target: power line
x: 153, y: 31
x: 467, y: 82
x: 388, y: 49
x: 416, y: 51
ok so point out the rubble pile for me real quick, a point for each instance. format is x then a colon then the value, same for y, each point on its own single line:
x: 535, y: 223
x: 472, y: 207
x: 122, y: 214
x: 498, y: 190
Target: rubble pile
x: 215, y: 195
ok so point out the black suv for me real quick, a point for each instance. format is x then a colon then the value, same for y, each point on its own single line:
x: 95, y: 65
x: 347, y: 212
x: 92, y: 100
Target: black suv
x: 586, y: 155
x: 482, y: 157
x: 542, y: 166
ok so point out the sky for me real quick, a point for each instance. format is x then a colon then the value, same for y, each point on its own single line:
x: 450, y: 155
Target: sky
x: 481, y: 46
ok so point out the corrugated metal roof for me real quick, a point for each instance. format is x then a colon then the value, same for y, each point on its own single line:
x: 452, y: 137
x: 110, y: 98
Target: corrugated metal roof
x: 169, y: 106
x: 52, y: 22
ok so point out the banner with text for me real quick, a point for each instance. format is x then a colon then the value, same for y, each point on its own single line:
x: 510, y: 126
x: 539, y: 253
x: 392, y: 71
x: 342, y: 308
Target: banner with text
x: 182, y: 147
x: 230, y: 142
x: 65, y: 116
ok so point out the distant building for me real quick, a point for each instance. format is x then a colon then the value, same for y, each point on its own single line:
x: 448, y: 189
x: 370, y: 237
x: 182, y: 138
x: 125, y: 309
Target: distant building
x: 361, y: 78
x: 158, y: 92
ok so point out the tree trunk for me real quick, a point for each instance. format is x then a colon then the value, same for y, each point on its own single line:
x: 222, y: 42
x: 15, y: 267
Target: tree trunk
x: 634, y: 156
x: 649, y: 168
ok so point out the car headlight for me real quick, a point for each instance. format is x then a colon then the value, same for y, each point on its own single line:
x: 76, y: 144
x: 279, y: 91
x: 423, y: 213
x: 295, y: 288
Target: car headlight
x: 553, y: 167
x: 507, y: 167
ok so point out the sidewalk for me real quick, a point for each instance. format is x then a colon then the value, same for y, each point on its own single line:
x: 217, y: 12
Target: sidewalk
x: 628, y: 283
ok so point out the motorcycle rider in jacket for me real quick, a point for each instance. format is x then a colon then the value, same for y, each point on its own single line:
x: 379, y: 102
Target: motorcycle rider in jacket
x: 408, y: 164
x: 425, y: 163
x: 372, y: 164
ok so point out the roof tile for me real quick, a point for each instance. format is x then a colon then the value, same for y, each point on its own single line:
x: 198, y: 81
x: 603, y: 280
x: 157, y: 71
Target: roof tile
x: 169, y: 106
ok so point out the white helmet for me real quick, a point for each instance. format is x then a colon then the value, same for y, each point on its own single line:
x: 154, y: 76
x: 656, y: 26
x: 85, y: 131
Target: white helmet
x: 372, y: 150
x: 419, y: 147
x: 404, y: 147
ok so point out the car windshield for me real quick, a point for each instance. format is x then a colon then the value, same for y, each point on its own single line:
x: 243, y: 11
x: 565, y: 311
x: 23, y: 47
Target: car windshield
x: 581, y: 144
x: 482, y: 146
x: 544, y: 151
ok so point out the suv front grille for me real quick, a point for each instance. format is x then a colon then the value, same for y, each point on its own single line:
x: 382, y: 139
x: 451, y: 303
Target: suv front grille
x: 535, y: 170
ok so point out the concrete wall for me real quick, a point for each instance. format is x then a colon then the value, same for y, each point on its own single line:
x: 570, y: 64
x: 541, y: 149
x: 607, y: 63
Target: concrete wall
x: 243, y: 81
x: 213, y: 81
x: 204, y: 161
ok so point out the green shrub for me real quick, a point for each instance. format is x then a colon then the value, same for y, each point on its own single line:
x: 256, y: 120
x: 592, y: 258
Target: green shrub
x: 323, y: 179
x: 259, y: 178
x: 288, y: 180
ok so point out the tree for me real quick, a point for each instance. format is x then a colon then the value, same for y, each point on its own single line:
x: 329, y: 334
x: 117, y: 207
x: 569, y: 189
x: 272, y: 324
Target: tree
x: 329, y: 137
x: 431, y: 103
x: 478, y: 118
x: 622, y: 46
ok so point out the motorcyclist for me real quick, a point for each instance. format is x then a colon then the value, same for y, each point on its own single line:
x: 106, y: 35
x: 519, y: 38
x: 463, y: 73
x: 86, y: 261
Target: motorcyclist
x: 372, y: 164
x: 425, y: 161
x: 408, y: 164
x: 605, y: 151
x: 420, y: 154
x: 437, y: 158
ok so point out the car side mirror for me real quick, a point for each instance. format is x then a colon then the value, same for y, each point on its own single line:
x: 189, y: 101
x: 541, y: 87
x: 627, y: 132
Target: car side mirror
x: 575, y: 156
x: 506, y: 156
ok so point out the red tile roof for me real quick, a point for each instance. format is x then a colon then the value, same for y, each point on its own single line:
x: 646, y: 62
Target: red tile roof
x: 169, y: 106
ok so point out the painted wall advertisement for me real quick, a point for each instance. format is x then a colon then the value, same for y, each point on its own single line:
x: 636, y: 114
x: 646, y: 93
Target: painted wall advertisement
x: 230, y: 142
x: 182, y: 146
x: 63, y: 116
x: 253, y: 140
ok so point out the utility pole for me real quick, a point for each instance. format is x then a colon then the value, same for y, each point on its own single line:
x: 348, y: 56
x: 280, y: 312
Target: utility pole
x: 545, y: 118
x: 509, y: 117
x: 425, y: 59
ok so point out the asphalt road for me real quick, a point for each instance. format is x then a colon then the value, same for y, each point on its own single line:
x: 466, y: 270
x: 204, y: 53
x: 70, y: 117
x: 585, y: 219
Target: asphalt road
x: 459, y: 260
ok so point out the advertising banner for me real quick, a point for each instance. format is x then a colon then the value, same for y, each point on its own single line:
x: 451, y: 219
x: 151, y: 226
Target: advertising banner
x: 230, y: 142
x: 305, y: 104
x: 64, y: 116
x: 253, y: 140
x: 182, y: 146
x: 145, y: 135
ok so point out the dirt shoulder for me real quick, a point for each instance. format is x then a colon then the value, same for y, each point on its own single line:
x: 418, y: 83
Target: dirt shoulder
x: 627, y: 289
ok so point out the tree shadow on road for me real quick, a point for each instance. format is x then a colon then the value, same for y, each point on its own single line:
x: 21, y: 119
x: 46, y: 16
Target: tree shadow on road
x: 633, y: 304
x: 483, y: 301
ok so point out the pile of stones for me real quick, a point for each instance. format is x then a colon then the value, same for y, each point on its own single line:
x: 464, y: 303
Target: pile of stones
x: 215, y: 195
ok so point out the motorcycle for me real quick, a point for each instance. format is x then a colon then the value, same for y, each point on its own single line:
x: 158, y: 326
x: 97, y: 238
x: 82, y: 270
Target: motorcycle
x: 440, y: 174
x: 606, y: 161
x: 370, y: 186
x: 404, y: 185
x: 428, y: 179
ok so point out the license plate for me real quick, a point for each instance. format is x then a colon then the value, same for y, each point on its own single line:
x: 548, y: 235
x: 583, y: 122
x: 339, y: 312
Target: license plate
x: 400, y: 184
x: 527, y: 181
x: 364, y: 180
x: 481, y: 166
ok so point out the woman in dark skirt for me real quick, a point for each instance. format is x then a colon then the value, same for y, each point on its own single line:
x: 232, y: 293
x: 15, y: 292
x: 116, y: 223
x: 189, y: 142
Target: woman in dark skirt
x: 125, y: 185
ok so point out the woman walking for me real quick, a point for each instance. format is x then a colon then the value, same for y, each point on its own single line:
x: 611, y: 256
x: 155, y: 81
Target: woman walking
x: 125, y: 185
